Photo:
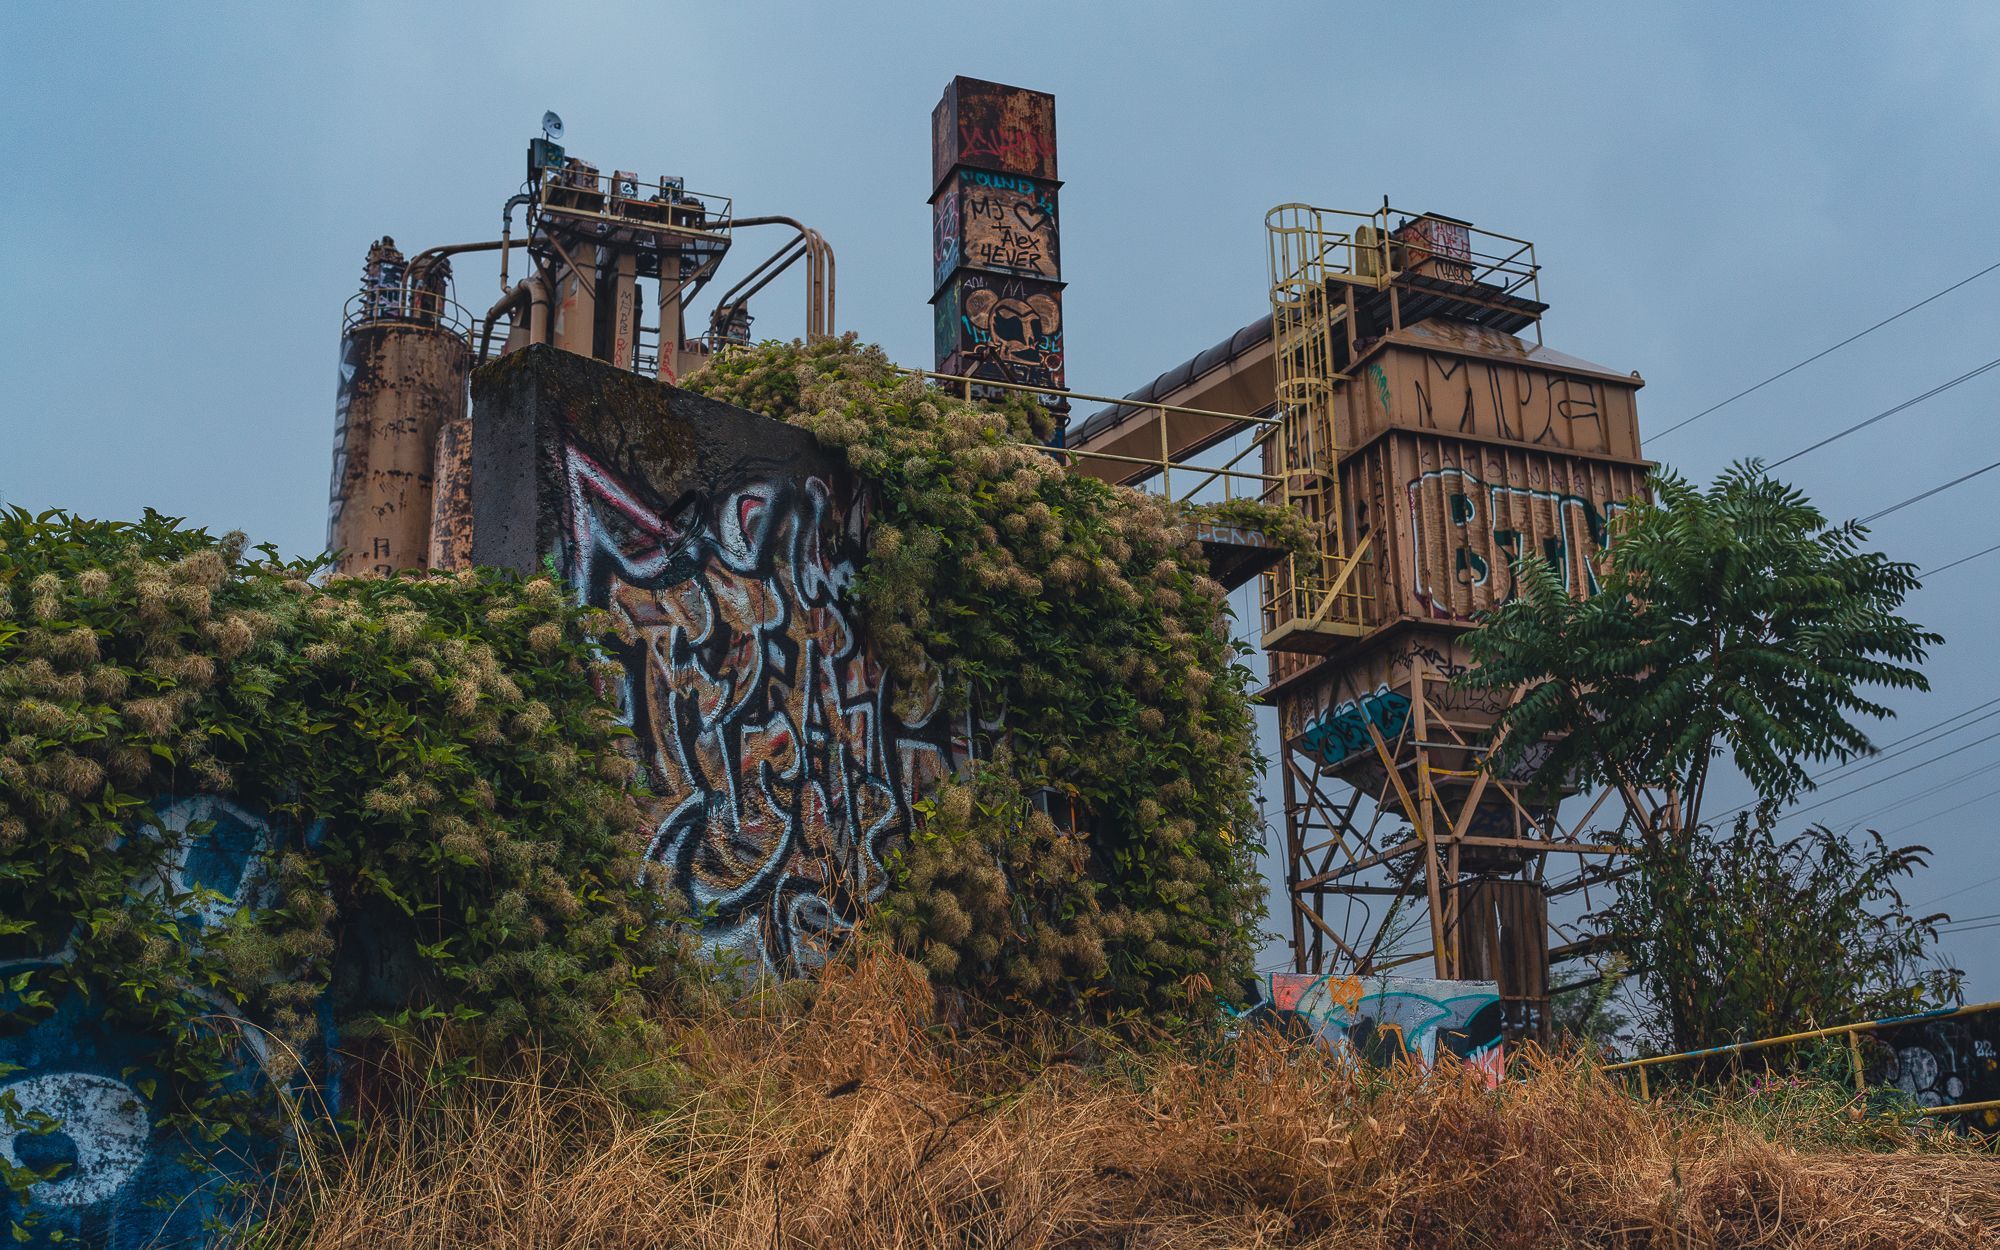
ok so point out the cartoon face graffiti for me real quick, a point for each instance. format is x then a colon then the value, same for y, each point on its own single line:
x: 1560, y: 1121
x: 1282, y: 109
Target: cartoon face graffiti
x: 1026, y: 332
x: 779, y: 773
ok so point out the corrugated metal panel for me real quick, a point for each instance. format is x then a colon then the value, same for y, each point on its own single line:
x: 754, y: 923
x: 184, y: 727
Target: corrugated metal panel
x: 1407, y: 388
x: 1464, y: 514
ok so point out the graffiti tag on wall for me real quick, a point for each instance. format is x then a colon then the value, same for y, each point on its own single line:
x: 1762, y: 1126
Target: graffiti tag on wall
x: 1341, y: 731
x: 1468, y: 534
x: 779, y: 771
x: 1004, y: 223
x: 1389, y: 1020
x: 79, y: 1094
x: 1503, y: 400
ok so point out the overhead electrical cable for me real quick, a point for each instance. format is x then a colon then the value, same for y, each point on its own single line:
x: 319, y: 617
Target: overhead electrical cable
x: 1956, y: 923
x: 1886, y: 413
x: 1828, y: 352
x: 1935, y: 490
x: 1930, y: 733
x: 1964, y: 888
x: 1983, y: 551
x: 1984, y: 770
x: 1901, y: 772
x: 1971, y: 929
x: 1921, y: 821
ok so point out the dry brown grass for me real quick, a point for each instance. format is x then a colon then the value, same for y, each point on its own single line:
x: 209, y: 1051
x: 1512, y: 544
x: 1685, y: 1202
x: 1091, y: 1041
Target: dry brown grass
x: 849, y: 1116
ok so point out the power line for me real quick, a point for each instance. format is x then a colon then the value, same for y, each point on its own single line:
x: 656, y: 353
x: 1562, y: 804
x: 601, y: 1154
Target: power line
x: 1828, y: 352
x: 1956, y: 807
x: 1953, y: 924
x: 1968, y: 929
x: 1964, y: 888
x: 1984, y: 770
x: 1901, y: 772
x: 1883, y: 753
x: 1919, y: 498
x: 1984, y: 551
x: 1890, y: 412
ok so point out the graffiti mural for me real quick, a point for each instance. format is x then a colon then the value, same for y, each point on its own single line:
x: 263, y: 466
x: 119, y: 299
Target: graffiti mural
x: 1389, y: 1020
x: 1004, y: 328
x: 1341, y: 731
x: 780, y: 773
x: 80, y: 1098
x: 1941, y: 1061
x: 1468, y: 534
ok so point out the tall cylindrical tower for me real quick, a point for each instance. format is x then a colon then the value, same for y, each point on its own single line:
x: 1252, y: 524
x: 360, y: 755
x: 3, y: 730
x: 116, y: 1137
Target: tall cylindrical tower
x: 403, y: 362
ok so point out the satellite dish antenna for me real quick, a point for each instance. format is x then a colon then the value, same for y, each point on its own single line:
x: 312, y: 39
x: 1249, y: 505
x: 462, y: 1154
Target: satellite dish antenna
x: 551, y: 125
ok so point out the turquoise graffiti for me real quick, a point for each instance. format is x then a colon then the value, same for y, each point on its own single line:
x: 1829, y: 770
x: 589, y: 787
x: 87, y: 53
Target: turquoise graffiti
x: 89, y: 1137
x: 1342, y: 730
x: 1389, y: 1020
x: 1491, y: 527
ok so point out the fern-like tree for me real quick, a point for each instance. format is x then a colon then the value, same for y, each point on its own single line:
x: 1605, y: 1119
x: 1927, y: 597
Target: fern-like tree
x: 1732, y: 621
x: 1729, y: 622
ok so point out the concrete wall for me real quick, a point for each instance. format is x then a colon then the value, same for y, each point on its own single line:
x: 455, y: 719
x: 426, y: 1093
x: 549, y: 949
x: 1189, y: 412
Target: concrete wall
x: 722, y: 543
x: 133, y: 1179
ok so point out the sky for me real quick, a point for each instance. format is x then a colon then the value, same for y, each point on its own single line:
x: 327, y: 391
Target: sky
x: 1716, y: 192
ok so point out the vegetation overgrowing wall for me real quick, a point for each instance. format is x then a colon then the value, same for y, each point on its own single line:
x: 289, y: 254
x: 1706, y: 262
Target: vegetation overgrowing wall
x: 1076, y: 623
x: 886, y: 663
x: 247, y: 819
x: 244, y: 819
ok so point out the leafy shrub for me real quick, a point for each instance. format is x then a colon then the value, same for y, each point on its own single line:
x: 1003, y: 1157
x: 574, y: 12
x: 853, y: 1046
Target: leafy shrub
x: 1081, y: 617
x: 451, y: 826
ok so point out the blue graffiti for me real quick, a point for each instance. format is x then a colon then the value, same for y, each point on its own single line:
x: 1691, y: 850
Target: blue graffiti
x: 1387, y: 1020
x: 81, y: 1100
x: 1342, y: 731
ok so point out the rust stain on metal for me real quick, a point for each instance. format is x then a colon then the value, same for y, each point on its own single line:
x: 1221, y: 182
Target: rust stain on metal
x: 451, y: 497
x: 399, y: 383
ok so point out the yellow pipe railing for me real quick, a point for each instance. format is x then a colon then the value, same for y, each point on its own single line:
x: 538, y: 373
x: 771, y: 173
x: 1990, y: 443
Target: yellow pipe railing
x: 1851, y: 1031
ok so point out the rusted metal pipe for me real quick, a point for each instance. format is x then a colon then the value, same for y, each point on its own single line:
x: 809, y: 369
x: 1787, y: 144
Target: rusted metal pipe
x: 538, y: 310
x: 431, y: 255
x: 507, y: 231
x: 508, y: 303
x: 819, y: 271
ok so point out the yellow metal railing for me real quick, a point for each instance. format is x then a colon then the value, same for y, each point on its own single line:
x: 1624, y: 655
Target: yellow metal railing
x: 1315, y: 593
x: 1853, y: 1034
x: 1375, y: 248
x: 1234, y: 481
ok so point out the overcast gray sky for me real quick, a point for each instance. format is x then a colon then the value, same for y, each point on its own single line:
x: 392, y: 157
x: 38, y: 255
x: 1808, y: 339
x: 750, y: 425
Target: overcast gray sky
x: 1715, y: 191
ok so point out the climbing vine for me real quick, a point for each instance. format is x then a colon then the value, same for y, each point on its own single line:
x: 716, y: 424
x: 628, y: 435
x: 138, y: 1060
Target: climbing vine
x: 450, y: 834
x: 1078, y: 619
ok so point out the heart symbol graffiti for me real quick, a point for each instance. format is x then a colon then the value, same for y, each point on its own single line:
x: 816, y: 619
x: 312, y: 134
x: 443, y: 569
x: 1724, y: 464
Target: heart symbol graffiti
x: 1030, y: 219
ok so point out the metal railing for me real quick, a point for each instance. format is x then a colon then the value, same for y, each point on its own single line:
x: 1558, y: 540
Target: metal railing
x: 418, y: 306
x: 1368, y: 250
x: 1234, y: 481
x: 1852, y: 1032
x: 577, y: 188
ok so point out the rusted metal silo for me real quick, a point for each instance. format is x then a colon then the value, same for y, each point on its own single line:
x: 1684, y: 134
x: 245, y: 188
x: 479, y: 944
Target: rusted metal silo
x: 403, y: 362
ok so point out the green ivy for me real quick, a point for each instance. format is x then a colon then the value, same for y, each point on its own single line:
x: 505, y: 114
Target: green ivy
x: 1080, y: 616
x: 445, y: 783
